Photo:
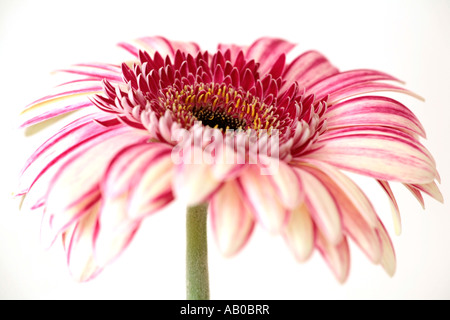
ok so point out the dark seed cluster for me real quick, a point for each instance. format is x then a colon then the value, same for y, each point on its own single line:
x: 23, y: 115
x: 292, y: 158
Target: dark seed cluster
x: 217, y: 119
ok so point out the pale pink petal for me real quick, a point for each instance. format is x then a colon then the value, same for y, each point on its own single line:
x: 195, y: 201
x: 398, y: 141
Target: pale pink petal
x: 367, y: 87
x: 373, y: 111
x: 322, y: 206
x: 354, y: 193
x: 267, y: 50
x: 227, y: 163
x: 231, y: 220
x: 194, y: 183
x: 287, y: 185
x: 299, y: 233
x: 53, y: 112
x: 143, y: 173
x: 194, y: 179
x: 388, y: 260
x: 114, y: 230
x: 57, y: 220
x: 337, y: 256
x: 353, y: 220
x: 307, y: 69
x: 261, y: 198
x: 342, y: 80
x: 382, y: 154
x: 128, y: 163
x: 416, y: 193
x: 161, y: 45
x: 65, y: 98
x: 152, y: 186
x: 394, y: 206
x: 76, y: 137
x: 76, y: 183
x: 430, y: 189
x: 78, y: 243
x: 94, y: 73
x: 232, y: 48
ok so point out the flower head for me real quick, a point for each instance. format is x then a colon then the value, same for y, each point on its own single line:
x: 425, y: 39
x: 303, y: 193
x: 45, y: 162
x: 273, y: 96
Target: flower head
x: 263, y: 139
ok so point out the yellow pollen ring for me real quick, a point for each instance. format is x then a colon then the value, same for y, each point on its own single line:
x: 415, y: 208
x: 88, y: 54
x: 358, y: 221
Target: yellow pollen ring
x: 215, y: 102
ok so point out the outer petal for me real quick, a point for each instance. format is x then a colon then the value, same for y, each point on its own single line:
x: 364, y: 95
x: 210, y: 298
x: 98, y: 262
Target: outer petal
x: 430, y: 189
x: 80, y: 135
x: 195, y: 179
x: 267, y: 50
x: 78, y: 243
x: 354, y: 223
x: 308, y: 68
x: 380, y: 153
x: 346, y: 79
x: 299, y: 233
x: 349, y: 188
x: 152, y: 186
x: 194, y: 183
x: 388, y: 260
x: 287, y: 185
x: 337, y: 256
x: 416, y: 193
x: 76, y: 184
x: 322, y: 206
x: 394, y: 206
x: 231, y: 220
x: 159, y: 44
x: 261, y: 197
x: 114, y: 230
x: 373, y: 111
x: 367, y: 87
x: 143, y: 172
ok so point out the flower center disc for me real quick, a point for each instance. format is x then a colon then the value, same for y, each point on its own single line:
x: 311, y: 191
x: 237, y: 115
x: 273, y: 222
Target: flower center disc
x: 217, y: 119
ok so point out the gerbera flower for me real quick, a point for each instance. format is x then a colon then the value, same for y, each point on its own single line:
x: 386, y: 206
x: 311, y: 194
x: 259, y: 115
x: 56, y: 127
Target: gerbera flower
x: 98, y: 177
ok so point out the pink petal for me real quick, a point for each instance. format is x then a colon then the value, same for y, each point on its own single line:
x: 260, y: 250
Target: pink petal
x: 308, y: 68
x: 430, y: 189
x: 416, y: 193
x: 383, y: 154
x: 299, y: 233
x: 78, y: 243
x: 261, y: 197
x: 388, y: 260
x: 194, y: 183
x: 354, y: 193
x: 165, y: 46
x: 373, y: 111
x: 337, y: 256
x: 54, y: 112
x: 367, y: 87
x: 322, y: 206
x: 231, y: 220
x: 342, y: 80
x: 353, y: 220
x: 80, y: 135
x: 152, y: 186
x: 394, y: 206
x: 267, y: 50
x: 114, y: 230
x: 128, y: 164
x: 76, y: 183
x: 227, y: 163
x: 287, y: 185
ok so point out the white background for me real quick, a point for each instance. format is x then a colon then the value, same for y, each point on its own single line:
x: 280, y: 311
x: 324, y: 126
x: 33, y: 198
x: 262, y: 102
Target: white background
x: 409, y: 39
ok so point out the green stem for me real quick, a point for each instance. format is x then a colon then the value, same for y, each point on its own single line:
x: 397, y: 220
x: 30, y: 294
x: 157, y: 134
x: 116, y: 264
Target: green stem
x: 197, y: 279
